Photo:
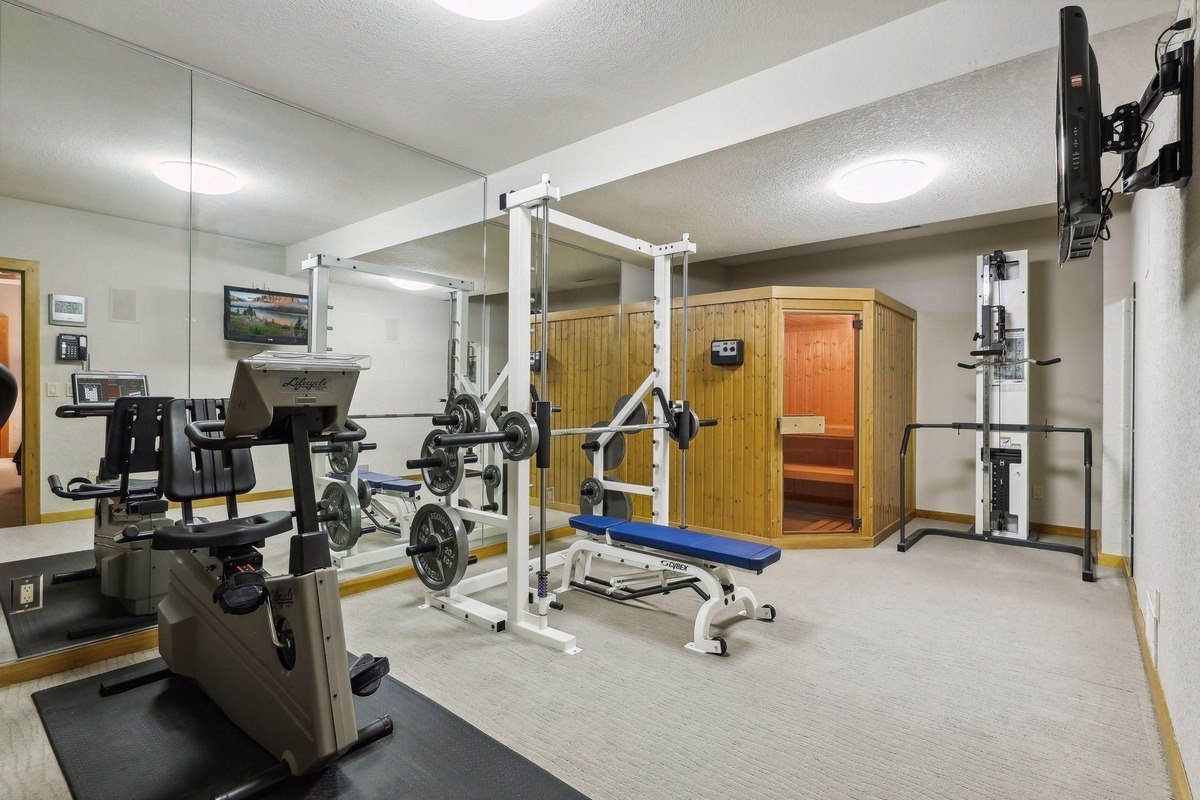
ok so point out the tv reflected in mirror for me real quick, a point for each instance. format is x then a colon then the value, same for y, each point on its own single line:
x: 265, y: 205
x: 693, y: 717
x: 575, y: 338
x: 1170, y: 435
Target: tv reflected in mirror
x: 263, y: 316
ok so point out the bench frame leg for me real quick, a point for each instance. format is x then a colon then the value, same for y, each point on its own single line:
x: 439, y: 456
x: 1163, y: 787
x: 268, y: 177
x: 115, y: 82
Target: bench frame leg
x: 716, y: 581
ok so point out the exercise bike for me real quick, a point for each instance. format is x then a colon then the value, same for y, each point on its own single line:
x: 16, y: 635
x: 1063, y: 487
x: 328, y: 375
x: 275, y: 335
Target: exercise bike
x: 269, y: 650
x: 129, y: 570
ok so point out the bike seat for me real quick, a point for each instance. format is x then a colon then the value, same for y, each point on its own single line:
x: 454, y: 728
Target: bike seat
x: 223, y: 533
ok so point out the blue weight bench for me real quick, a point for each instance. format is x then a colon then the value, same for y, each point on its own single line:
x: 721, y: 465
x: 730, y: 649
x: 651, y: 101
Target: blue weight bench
x: 389, y: 483
x: 668, y: 559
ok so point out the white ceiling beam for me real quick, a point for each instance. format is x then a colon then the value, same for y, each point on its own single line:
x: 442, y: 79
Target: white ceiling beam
x: 938, y: 43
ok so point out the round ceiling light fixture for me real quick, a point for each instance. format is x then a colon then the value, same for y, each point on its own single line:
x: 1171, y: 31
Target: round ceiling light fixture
x: 884, y: 181
x: 412, y: 286
x: 491, y: 10
x: 198, y: 178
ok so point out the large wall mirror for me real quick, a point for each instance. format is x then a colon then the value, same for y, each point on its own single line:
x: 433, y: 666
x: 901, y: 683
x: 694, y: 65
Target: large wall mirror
x: 154, y: 223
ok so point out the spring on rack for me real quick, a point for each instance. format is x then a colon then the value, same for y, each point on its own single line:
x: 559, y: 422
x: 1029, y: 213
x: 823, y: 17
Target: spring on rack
x: 543, y: 584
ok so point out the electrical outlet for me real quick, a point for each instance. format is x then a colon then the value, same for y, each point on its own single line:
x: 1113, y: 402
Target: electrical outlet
x: 1039, y: 491
x: 26, y: 593
x: 52, y: 389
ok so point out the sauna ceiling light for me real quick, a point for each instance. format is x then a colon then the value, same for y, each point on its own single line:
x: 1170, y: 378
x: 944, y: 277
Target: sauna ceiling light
x: 412, y: 286
x: 204, y: 178
x: 884, y: 181
x: 491, y: 10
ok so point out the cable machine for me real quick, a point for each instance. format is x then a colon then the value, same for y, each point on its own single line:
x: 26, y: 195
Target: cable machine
x: 1002, y: 417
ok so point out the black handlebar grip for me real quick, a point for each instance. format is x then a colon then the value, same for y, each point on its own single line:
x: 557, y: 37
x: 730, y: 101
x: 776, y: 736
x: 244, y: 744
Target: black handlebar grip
x: 966, y: 366
x: 421, y: 549
x: 1048, y: 362
x: 55, y: 484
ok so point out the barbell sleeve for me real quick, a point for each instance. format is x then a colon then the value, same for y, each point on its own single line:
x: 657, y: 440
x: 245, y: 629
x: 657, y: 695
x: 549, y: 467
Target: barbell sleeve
x: 422, y: 549
x: 437, y: 461
x: 443, y: 419
x: 472, y: 439
x: 707, y: 423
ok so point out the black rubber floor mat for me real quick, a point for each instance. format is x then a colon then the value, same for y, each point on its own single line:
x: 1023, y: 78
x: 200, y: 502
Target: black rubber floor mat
x: 168, y: 740
x: 64, y: 606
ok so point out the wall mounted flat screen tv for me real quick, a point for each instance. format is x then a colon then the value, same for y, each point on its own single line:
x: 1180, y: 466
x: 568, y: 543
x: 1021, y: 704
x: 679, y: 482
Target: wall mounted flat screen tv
x: 262, y: 316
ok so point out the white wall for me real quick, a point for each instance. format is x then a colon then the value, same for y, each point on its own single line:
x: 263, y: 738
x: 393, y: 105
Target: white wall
x: 1165, y: 240
x: 91, y: 254
x: 936, y: 276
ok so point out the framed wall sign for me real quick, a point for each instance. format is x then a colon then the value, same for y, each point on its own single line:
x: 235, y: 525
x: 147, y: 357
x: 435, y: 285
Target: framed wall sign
x: 68, y: 309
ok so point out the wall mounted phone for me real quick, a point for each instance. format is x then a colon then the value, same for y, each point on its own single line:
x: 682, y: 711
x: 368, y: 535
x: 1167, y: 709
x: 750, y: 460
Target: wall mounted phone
x: 71, y: 347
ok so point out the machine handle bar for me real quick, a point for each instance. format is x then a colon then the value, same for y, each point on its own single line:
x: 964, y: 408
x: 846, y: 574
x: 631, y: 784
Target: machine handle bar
x: 84, y: 410
x: 197, y: 433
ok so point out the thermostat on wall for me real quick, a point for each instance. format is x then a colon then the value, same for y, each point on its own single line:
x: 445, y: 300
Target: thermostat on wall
x: 66, y: 309
x: 728, y: 352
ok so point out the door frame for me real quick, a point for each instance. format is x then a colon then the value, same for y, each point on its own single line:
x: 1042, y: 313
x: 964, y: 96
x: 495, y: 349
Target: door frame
x: 31, y: 382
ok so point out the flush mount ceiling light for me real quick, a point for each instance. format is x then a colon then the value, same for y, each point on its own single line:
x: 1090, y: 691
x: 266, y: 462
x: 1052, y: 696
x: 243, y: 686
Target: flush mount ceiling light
x: 203, y: 178
x: 884, y: 181
x: 489, y: 9
x: 412, y: 286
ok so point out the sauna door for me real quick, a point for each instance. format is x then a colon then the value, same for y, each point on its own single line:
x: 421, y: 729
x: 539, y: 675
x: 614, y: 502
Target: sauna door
x: 819, y: 424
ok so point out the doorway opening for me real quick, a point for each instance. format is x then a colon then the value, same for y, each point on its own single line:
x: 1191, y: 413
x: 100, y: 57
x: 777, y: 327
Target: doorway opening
x: 12, y: 495
x: 820, y: 423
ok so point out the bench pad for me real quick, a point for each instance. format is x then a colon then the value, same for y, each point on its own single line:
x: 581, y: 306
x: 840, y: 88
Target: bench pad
x: 388, y: 483
x: 703, y: 546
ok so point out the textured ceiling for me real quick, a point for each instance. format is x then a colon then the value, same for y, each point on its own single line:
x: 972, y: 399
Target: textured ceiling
x: 990, y: 133
x: 486, y: 95
x: 83, y: 120
x: 459, y: 254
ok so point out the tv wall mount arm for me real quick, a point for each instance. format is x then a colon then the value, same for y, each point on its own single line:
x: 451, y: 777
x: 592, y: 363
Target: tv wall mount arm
x: 1122, y: 131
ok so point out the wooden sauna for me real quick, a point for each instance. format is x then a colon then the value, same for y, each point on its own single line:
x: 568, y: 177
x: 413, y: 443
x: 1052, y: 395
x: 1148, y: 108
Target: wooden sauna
x: 806, y: 450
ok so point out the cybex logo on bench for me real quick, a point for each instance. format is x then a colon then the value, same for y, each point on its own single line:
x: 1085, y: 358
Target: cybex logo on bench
x: 675, y: 565
x: 303, y: 384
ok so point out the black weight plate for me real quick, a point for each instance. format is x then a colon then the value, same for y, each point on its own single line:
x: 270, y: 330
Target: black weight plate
x: 442, y: 480
x: 614, y: 451
x: 591, y: 494
x: 618, y: 504
x: 636, y: 417
x: 445, y: 566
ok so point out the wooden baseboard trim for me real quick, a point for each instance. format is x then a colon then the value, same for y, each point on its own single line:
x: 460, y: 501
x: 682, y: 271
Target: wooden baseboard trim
x: 250, y: 497
x: 1180, y: 787
x: 41, y: 666
x: 1039, y: 527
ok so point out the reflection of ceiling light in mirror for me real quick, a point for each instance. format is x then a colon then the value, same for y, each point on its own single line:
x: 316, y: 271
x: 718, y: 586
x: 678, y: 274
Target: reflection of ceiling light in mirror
x: 884, y: 181
x: 412, y: 286
x: 205, y: 178
x: 489, y: 9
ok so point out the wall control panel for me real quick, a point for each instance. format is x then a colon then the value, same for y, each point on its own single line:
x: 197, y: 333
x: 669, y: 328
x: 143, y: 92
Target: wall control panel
x: 535, y: 361
x: 728, y: 352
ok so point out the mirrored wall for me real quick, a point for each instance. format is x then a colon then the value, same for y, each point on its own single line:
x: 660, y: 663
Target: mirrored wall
x: 153, y: 224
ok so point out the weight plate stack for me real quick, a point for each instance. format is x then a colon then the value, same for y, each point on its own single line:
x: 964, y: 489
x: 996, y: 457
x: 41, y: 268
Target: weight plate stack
x: 343, y: 532
x: 470, y: 408
x: 526, y: 443
x: 447, y: 476
x: 591, y: 494
x: 442, y: 527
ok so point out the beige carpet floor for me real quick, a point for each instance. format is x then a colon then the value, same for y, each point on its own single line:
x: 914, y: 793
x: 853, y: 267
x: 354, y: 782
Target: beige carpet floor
x: 958, y: 670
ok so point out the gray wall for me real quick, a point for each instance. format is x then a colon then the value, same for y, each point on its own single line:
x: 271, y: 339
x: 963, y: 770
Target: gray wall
x: 936, y: 276
x: 1165, y: 250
